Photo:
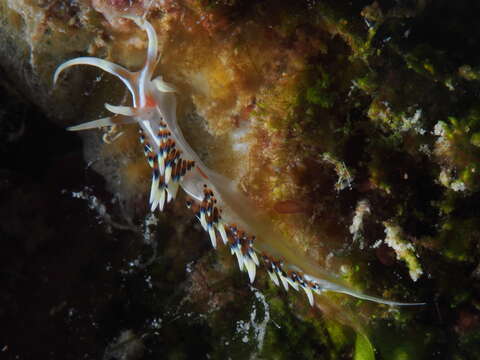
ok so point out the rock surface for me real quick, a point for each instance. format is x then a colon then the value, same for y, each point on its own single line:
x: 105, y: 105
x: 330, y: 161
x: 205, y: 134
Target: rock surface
x: 355, y: 126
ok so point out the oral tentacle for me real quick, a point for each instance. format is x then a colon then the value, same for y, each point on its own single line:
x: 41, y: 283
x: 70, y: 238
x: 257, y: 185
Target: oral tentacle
x: 103, y: 122
x: 127, y: 77
x: 152, y: 51
x: 163, y: 86
x: 122, y: 110
x: 145, y: 75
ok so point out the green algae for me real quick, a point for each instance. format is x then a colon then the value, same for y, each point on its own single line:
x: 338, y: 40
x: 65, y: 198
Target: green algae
x: 469, y: 73
x: 319, y: 93
x: 309, y: 338
x: 363, y: 348
x: 400, y: 343
x: 458, y: 238
x: 457, y: 149
x: 403, y: 249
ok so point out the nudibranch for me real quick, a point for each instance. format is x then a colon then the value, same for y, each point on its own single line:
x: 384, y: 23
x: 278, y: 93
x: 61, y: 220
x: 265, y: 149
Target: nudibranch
x: 223, y: 211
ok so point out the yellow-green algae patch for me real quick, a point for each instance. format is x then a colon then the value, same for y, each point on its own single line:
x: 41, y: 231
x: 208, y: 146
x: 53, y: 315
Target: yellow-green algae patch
x: 404, y: 250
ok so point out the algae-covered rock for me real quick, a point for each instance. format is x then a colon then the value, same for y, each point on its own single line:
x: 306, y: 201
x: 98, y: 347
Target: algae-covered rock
x: 354, y: 126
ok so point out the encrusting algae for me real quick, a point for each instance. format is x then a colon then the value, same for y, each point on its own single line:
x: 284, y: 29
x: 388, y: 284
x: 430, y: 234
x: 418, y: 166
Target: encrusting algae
x: 222, y: 210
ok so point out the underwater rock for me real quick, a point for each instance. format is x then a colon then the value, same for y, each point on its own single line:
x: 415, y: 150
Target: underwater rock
x: 313, y: 109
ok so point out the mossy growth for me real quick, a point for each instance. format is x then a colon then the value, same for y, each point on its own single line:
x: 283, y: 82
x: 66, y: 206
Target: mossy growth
x: 469, y: 73
x: 399, y: 122
x: 458, y: 238
x: 339, y: 19
x: 399, y: 343
x: 404, y: 249
x: 309, y: 338
x: 318, y: 93
x: 457, y: 149
x: 368, y: 83
x: 470, y: 345
x: 425, y: 61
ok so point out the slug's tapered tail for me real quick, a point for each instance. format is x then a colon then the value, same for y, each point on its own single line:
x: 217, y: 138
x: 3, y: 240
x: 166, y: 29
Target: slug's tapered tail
x: 226, y: 215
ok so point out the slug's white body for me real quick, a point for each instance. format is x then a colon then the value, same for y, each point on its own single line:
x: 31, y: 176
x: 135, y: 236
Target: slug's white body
x: 223, y: 211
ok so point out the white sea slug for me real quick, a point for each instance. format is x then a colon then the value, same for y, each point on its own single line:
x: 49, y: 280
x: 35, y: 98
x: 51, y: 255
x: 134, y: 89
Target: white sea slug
x: 223, y: 211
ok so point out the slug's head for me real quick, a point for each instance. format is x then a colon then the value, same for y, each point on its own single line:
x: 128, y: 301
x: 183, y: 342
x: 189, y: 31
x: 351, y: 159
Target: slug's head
x: 146, y: 92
